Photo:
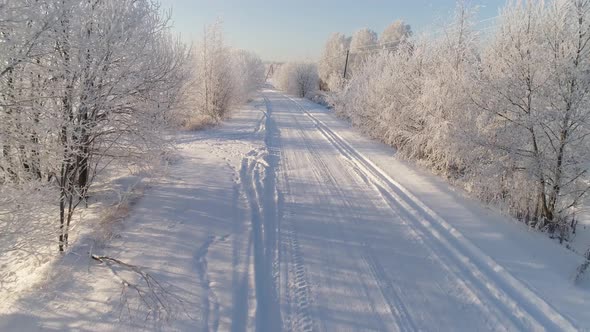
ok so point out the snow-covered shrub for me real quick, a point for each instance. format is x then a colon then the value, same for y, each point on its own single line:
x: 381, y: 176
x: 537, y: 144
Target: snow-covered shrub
x: 297, y: 78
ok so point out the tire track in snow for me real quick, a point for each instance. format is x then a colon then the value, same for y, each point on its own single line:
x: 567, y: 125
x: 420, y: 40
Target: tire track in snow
x: 389, y: 298
x: 297, y: 296
x: 290, y: 264
x: 528, y: 309
x: 299, y: 293
x: 272, y: 213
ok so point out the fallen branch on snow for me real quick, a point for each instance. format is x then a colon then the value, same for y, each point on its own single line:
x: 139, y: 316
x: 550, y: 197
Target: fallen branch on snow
x: 154, y: 300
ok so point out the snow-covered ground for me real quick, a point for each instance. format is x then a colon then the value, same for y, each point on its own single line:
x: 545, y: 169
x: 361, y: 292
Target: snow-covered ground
x: 285, y: 218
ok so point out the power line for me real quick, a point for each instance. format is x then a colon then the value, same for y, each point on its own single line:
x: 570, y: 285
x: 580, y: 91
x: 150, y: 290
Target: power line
x: 450, y: 27
x: 445, y: 29
x: 378, y: 46
x: 334, y: 56
x: 376, y: 49
x: 350, y: 51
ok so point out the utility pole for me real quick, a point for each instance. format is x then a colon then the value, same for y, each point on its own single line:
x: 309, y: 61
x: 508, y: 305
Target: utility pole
x: 346, y: 64
x: 270, y: 72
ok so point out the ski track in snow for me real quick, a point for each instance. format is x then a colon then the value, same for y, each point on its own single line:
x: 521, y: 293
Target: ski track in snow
x: 531, y: 309
x: 505, y: 302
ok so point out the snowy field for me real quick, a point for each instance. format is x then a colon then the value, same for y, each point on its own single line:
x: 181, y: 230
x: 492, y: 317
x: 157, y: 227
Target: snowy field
x: 285, y: 218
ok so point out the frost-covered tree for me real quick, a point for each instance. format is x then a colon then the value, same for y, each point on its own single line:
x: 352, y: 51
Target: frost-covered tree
x: 96, y: 87
x: 375, y: 101
x: 298, y: 78
x: 394, y: 34
x: 119, y: 71
x: 213, y: 75
x: 23, y: 26
x: 568, y: 35
x: 331, y: 64
x: 249, y: 74
x: 511, y: 80
x: 223, y: 77
x: 361, y: 43
x: 363, y: 39
x: 444, y: 105
x: 535, y: 86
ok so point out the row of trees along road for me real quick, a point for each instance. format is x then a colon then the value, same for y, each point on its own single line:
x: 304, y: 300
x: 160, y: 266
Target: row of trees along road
x: 505, y: 113
x: 303, y: 79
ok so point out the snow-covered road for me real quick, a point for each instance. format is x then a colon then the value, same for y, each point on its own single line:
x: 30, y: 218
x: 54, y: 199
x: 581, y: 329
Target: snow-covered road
x: 347, y: 247
x: 287, y: 219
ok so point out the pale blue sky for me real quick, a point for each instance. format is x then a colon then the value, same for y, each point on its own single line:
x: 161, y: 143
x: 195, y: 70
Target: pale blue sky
x: 297, y: 29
